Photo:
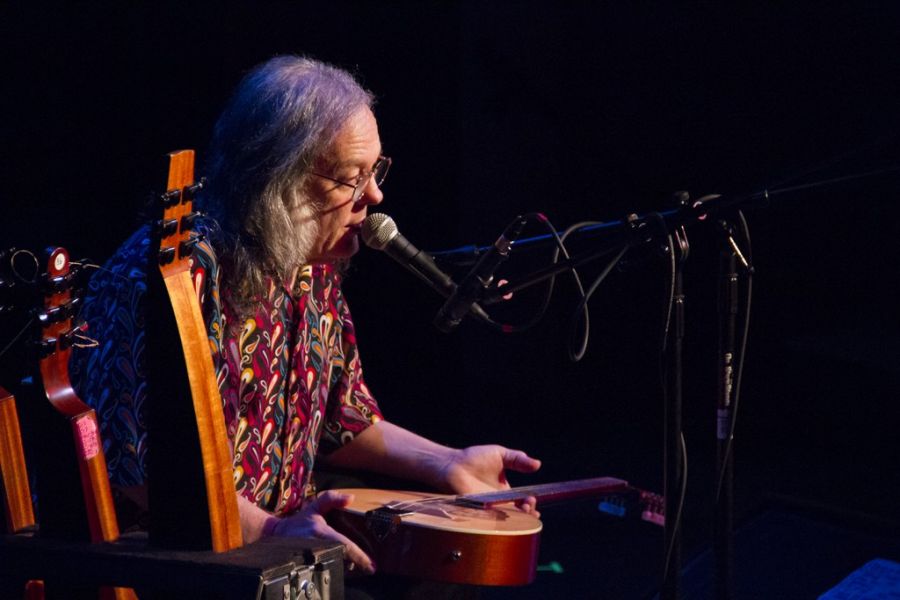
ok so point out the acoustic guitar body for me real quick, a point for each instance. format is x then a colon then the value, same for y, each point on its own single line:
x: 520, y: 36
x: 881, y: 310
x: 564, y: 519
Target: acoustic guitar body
x: 432, y: 537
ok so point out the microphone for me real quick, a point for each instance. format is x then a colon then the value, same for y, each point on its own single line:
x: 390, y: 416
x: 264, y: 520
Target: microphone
x: 379, y: 232
x: 469, y: 291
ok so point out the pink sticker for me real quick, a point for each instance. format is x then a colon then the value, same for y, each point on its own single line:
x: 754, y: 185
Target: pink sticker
x: 86, y: 437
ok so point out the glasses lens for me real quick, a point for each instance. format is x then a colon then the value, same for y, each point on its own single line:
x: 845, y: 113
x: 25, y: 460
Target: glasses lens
x: 359, y: 189
x: 378, y: 173
x: 381, y: 170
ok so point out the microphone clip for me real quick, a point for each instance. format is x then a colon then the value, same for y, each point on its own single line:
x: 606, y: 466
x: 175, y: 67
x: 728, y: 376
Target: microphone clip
x: 471, y: 289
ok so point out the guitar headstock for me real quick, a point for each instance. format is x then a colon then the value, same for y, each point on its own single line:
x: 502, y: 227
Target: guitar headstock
x: 59, y: 305
x: 187, y: 378
x: 636, y: 504
x: 175, y: 229
x: 653, y: 508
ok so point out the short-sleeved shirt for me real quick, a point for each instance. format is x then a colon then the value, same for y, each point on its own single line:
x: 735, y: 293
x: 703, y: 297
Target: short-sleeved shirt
x: 287, y: 367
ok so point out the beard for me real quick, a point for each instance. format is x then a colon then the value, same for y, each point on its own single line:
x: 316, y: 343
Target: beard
x: 304, y: 219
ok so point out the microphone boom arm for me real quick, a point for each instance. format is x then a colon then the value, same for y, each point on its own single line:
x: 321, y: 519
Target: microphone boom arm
x: 632, y: 231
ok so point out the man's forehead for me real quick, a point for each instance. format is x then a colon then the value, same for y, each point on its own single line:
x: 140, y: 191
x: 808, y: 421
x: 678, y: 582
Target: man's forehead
x: 351, y: 155
x: 336, y: 159
x: 355, y: 142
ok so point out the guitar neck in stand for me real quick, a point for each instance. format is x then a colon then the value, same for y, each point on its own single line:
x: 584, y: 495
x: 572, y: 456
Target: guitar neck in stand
x: 191, y: 492
x: 16, y: 490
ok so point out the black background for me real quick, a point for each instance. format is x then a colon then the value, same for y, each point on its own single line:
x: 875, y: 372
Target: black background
x: 582, y: 112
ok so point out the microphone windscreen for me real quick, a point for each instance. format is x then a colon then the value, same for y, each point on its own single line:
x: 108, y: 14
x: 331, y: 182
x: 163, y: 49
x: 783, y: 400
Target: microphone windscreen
x: 377, y: 230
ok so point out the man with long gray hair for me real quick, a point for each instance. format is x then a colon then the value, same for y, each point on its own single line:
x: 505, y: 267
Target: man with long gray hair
x: 295, y: 162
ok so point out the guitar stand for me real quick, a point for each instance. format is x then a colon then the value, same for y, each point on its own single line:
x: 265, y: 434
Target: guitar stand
x: 270, y: 569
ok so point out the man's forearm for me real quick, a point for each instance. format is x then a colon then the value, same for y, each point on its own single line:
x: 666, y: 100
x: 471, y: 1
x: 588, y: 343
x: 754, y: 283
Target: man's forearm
x: 392, y: 450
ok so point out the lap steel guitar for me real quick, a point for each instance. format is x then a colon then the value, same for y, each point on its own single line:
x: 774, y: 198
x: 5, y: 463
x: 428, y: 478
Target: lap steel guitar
x: 480, y: 539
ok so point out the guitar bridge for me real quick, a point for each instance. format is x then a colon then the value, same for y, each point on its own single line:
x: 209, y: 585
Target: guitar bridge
x: 384, y: 521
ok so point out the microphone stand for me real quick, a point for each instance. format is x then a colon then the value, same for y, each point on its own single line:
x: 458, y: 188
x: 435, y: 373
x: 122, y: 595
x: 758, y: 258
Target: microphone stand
x: 673, y: 442
x: 633, y: 231
x: 723, y: 540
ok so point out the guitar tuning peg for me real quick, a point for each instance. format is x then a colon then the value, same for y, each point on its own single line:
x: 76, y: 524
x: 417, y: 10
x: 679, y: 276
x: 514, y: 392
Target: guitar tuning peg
x: 166, y: 255
x: 188, y: 220
x: 170, y: 198
x: 191, y: 191
x: 42, y: 348
x: 187, y: 246
x: 59, y: 283
x: 67, y: 339
x: 82, y: 268
x: 165, y: 227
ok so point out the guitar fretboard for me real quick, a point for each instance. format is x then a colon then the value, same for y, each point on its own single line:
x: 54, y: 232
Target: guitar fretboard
x: 548, y: 492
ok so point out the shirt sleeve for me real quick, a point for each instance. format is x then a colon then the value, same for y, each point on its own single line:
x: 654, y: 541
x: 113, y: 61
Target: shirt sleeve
x: 351, y: 406
x: 110, y: 376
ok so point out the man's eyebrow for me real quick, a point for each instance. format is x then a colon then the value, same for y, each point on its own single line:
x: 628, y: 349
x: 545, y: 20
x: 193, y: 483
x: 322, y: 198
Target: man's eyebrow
x: 355, y: 163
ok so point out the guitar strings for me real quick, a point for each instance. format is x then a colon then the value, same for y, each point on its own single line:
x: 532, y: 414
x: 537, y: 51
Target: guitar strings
x: 89, y: 265
x: 423, y: 504
x: 407, y: 504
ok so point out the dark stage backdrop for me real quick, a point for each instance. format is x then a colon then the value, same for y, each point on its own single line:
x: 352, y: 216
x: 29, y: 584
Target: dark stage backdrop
x: 584, y: 113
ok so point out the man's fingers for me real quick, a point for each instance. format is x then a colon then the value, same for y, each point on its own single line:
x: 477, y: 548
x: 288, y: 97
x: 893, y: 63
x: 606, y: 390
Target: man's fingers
x: 529, y: 505
x: 517, y: 460
x: 354, y: 553
x: 328, y: 501
x: 325, y: 503
x: 310, y: 522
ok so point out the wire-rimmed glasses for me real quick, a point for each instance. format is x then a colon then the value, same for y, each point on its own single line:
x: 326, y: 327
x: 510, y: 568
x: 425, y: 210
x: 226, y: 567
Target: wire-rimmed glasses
x: 379, y: 172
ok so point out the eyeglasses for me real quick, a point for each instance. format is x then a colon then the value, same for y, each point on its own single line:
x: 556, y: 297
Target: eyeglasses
x: 379, y: 172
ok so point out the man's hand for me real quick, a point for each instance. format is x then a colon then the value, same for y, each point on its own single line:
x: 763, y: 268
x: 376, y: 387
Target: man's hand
x: 483, y: 469
x: 392, y: 450
x: 309, y: 522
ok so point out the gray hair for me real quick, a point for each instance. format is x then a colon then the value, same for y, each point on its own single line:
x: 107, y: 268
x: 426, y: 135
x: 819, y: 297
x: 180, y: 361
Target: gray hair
x: 282, y: 117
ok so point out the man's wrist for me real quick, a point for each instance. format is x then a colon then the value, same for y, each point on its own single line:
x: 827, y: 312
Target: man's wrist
x: 270, y: 527
x: 440, y: 474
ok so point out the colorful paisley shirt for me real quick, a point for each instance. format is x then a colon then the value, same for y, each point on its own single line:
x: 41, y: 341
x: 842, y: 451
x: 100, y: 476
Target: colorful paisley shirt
x: 288, y: 371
